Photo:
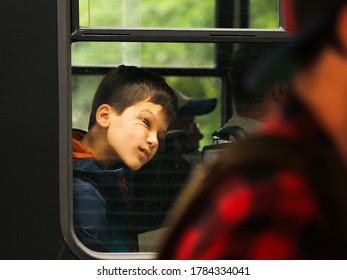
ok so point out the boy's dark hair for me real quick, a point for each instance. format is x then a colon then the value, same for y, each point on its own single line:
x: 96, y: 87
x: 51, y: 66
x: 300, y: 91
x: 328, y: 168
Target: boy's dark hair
x: 126, y: 85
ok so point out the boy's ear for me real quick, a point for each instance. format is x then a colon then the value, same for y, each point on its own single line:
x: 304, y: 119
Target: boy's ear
x: 103, y: 115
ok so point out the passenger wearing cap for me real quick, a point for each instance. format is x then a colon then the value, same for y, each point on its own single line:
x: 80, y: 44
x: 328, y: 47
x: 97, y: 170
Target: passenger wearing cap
x: 184, y: 134
x: 281, y: 194
x: 188, y: 109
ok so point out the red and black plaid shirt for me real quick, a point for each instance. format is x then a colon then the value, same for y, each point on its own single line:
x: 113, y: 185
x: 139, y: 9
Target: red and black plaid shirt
x: 275, y: 214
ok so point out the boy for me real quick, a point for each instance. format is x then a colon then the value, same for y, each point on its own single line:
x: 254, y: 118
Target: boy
x: 131, y: 111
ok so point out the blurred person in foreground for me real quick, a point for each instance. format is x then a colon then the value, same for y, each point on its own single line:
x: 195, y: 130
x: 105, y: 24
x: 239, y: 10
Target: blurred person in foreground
x: 281, y: 194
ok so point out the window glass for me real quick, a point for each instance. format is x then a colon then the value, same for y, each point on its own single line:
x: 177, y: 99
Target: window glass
x: 176, y: 14
x: 83, y: 90
x: 143, y: 54
x: 264, y: 14
x: 147, y: 13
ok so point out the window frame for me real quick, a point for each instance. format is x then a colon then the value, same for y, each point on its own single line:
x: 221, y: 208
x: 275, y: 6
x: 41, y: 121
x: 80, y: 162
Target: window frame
x: 69, y: 32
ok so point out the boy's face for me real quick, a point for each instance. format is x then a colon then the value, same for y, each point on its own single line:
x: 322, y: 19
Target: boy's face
x: 134, y: 134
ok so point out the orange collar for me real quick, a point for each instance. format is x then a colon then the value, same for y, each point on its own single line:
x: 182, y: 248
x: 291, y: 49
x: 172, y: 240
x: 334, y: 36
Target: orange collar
x: 78, y: 150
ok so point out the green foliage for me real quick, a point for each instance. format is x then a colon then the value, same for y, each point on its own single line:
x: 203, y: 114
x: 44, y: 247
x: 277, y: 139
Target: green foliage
x: 264, y: 14
x: 193, y: 13
x: 147, y: 13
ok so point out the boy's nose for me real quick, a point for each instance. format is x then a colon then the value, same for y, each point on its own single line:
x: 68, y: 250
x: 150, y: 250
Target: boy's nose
x: 153, y: 140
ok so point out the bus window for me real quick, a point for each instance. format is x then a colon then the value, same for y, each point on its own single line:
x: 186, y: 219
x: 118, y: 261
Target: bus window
x: 191, y: 44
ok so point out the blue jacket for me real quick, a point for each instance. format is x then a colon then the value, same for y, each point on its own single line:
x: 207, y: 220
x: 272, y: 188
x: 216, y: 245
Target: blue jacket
x: 102, y: 218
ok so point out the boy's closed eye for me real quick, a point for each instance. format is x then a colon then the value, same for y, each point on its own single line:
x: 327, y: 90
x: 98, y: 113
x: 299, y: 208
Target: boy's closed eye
x: 150, y: 122
x: 146, y: 122
x: 145, y: 117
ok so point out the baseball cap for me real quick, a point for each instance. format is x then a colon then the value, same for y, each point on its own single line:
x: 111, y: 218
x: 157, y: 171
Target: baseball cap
x: 311, y: 23
x: 189, y: 107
